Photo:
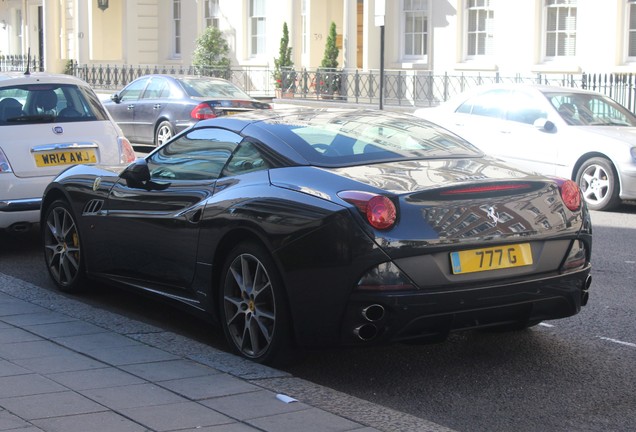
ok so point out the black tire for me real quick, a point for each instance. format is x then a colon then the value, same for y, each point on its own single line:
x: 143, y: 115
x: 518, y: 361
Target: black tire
x: 63, y: 247
x: 163, y: 133
x: 599, y: 184
x: 253, y: 308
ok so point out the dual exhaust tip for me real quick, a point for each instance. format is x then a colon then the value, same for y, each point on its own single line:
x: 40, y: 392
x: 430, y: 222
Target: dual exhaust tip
x: 369, y: 330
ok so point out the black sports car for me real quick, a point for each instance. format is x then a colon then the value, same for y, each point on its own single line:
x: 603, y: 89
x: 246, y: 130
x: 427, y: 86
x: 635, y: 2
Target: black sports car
x: 319, y: 228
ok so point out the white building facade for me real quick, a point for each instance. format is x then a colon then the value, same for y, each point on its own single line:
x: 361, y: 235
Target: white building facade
x: 441, y: 36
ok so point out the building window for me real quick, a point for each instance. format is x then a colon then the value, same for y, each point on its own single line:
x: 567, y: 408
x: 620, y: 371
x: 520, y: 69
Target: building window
x: 415, y: 16
x: 257, y: 27
x: 303, y: 25
x: 211, y: 13
x: 176, y: 18
x: 479, y: 28
x: 631, y: 33
x: 560, y: 29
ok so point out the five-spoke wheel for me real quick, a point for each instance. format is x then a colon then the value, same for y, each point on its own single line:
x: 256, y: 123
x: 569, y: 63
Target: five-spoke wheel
x: 164, y: 133
x: 597, y: 180
x: 62, y: 247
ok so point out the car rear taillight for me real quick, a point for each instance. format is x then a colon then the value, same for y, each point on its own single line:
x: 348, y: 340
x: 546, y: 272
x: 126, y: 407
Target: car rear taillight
x: 4, y: 163
x: 126, y: 151
x: 202, y: 111
x: 378, y: 209
x: 570, y: 194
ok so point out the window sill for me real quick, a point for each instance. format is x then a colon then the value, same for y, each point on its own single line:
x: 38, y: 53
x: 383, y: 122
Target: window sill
x: 476, y: 65
x: 557, y: 66
x: 414, y: 65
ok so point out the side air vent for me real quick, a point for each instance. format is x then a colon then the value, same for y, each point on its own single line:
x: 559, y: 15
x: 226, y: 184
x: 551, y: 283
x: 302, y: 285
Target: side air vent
x: 92, y: 207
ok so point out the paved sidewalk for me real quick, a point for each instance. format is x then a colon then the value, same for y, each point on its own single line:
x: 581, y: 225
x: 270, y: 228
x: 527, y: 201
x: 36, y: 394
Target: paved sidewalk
x: 69, y: 367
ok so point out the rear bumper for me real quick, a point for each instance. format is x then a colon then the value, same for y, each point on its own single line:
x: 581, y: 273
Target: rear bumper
x: 382, y: 317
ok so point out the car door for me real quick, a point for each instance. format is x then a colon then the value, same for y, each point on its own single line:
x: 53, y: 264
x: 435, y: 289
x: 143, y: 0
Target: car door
x: 123, y: 109
x: 154, y: 101
x: 152, y: 226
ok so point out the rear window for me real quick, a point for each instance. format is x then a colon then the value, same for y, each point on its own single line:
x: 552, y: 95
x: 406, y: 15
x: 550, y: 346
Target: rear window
x: 340, y: 138
x: 212, y: 89
x: 47, y: 103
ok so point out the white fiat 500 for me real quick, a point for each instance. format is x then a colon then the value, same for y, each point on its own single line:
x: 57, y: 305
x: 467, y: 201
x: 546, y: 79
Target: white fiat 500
x: 49, y: 122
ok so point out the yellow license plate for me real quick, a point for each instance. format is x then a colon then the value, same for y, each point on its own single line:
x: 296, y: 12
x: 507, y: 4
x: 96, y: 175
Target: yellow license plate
x: 500, y: 257
x: 68, y: 157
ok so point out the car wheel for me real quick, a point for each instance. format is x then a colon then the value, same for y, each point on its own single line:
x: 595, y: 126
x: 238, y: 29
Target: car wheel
x: 252, y: 306
x: 164, y: 133
x: 598, y: 183
x: 62, y: 247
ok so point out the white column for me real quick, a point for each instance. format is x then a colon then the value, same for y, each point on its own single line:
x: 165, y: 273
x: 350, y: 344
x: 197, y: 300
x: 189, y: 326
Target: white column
x: 51, y: 33
x: 350, y: 33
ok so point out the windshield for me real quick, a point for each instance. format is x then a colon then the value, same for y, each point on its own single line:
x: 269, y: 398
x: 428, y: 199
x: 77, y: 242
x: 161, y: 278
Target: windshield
x: 45, y: 103
x: 196, y: 87
x: 339, y: 138
x: 585, y: 109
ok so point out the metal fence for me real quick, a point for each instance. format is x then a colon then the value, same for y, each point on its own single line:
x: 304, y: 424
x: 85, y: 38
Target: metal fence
x: 407, y: 88
x: 19, y: 63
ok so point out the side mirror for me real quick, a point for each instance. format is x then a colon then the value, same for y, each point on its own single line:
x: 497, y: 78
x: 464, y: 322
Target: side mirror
x: 115, y: 97
x: 544, y: 124
x: 136, y: 174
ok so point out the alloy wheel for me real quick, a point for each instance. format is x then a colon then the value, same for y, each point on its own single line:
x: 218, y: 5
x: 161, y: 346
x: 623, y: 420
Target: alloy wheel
x: 62, y: 247
x: 595, y: 184
x: 164, y: 133
x: 249, y: 304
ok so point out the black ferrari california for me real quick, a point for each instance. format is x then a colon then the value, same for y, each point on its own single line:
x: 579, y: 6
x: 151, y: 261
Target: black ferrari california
x: 313, y: 228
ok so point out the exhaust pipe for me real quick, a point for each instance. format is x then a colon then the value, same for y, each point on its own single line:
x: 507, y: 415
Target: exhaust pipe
x: 373, y: 313
x: 366, y: 332
x: 585, y: 295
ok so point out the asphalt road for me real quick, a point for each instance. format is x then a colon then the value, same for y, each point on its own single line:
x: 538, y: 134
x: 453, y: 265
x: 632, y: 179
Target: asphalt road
x: 576, y: 374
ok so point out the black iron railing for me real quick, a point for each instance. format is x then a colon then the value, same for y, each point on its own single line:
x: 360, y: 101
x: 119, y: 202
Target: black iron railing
x: 9, y: 63
x: 407, y: 88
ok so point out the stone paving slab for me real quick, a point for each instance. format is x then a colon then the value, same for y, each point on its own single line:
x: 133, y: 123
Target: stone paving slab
x: 69, y: 367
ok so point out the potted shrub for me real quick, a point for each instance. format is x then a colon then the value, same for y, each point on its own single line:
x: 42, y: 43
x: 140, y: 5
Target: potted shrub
x: 284, y: 74
x: 329, y: 75
x: 211, y: 54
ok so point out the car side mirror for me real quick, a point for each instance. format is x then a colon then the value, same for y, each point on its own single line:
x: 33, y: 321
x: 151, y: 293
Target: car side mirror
x: 544, y: 124
x: 136, y: 174
x: 115, y: 97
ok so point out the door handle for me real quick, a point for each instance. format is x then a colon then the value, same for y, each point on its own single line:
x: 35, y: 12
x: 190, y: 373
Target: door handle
x: 129, y: 107
x: 157, y: 106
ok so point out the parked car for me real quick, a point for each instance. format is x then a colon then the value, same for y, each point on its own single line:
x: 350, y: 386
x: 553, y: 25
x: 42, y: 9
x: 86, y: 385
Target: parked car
x: 153, y: 108
x: 325, y: 227
x: 47, y: 123
x: 572, y: 133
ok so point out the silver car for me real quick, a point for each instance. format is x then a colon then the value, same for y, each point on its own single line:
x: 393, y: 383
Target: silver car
x: 571, y: 133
